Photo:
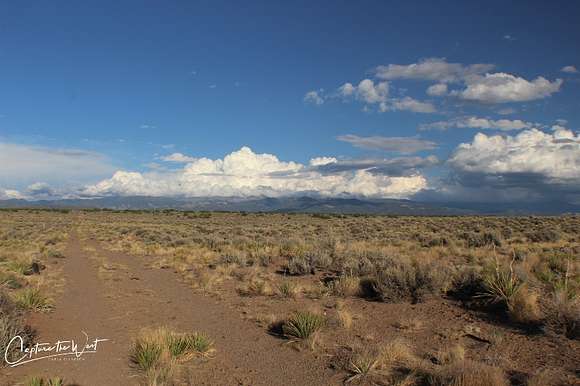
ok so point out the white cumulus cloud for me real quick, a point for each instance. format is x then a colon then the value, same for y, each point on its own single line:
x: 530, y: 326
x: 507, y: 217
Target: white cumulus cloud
x: 245, y: 173
x: 503, y: 88
x: 177, y: 157
x: 319, y: 161
x: 554, y: 156
x: 314, y: 97
x: 366, y: 91
x: 438, y: 89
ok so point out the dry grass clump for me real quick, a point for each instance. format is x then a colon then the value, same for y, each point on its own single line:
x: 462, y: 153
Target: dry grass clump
x: 409, y: 324
x: 469, y: 373
x: 256, y: 287
x: 450, y: 355
x: 364, y: 365
x: 157, y: 353
x: 343, y: 316
x: 376, y: 364
x: 345, y: 286
x: 564, y: 314
x: 394, y: 363
x: 288, y: 289
x: 524, y: 307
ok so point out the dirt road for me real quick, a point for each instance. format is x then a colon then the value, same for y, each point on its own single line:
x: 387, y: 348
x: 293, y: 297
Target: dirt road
x: 112, y: 296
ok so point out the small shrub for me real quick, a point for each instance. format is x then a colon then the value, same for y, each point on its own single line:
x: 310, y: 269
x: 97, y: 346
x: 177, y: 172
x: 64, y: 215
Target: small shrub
x: 478, y: 240
x: 302, y: 325
x: 403, y: 281
x: 467, y: 284
x: 299, y: 265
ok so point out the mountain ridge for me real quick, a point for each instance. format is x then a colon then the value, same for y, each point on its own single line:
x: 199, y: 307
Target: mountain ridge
x: 302, y: 204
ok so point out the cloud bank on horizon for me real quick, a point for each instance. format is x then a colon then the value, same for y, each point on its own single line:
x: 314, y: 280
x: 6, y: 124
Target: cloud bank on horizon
x: 527, y: 164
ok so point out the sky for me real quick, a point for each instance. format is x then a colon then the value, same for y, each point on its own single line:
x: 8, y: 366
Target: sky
x: 442, y: 101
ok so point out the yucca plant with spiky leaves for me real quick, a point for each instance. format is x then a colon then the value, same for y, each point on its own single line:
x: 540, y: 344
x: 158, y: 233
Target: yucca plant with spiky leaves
x: 501, y: 285
x: 33, y: 299
x: 362, y: 365
x: 145, y: 355
x: 302, y: 325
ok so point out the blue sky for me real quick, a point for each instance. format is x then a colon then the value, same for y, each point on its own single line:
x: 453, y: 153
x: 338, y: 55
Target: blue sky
x: 131, y: 82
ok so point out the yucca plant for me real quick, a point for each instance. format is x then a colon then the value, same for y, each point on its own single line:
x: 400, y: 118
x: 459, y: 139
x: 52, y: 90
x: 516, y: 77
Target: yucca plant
x: 182, y: 346
x: 178, y: 345
x: 39, y: 381
x: 56, y: 381
x: 34, y: 381
x: 362, y: 365
x: 501, y: 285
x: 200, y: 343
x: 145, y: 355
x: 302, y: 325
x: 33, y: 299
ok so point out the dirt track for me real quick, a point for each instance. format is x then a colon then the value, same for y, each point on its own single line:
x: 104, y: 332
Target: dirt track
x: 115, y: 303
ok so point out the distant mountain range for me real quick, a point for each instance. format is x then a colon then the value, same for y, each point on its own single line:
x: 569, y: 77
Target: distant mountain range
x: 301, y: 204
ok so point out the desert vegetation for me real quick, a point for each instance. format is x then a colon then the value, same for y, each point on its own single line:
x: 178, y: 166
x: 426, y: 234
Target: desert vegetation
x: 483, y: 284
x: 378, y: 299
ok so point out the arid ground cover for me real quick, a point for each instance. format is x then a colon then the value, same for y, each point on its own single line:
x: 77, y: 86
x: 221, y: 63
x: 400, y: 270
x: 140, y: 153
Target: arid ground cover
x: 280, y: 299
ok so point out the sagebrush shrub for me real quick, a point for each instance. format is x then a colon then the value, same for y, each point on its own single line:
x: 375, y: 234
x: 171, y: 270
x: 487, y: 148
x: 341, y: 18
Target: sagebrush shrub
x: 408, y: 281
